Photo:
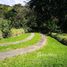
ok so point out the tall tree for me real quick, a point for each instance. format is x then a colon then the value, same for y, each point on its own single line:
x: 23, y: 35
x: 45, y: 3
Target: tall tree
x: 18, y: 15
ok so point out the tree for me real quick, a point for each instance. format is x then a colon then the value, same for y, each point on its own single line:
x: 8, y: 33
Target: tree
x: 53, y: 27
x: 18, y: 16
x: 49, y: 10
x: 4, y: 9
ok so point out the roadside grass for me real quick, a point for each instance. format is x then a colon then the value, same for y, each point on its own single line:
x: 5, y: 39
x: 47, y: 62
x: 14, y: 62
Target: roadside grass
x: 53, y: 54
x: 33, y: 41
x: 13, y: 39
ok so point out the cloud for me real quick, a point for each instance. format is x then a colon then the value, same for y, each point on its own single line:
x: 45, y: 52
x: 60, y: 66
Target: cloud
x: 0, y: 2
x: 12, y: 2
x: 5, y: 2
x: 21, y: 1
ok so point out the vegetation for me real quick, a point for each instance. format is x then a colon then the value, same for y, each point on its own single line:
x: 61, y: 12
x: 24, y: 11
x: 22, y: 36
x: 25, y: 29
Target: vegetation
x: 14, y: 39
x: 42, y: 16
x: 52, y: 55
x: 4, y: 9
x: 60, y: 37
x: 52, y: 11
x: 33, y: 41
x: 46, y: 17
x: 5, y: 27
x: 17, y: 32
x: 15, y: 17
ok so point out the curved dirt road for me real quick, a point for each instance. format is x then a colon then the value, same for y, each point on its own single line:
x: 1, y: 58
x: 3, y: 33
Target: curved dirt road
x: 22, y: 51
x: 17, y: 42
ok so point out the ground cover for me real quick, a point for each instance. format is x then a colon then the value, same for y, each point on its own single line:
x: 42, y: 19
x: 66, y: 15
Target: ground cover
x: 13, y: 39
x: 54, y: 54
x: 33, y: 41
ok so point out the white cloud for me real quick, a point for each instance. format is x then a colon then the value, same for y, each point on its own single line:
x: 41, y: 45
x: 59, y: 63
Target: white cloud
x: 12, y: 2
x: 0, y: 2
x: 21, y: 1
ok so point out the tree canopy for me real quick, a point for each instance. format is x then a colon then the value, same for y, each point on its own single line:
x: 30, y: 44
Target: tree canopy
x: 50, y: 10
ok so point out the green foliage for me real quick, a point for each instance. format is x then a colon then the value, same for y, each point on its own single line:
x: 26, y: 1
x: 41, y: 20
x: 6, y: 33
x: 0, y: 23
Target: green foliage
x: 52, y: 26
x: 60, y: 37
x: 50, y: 9
x: 3, y: 10
x: 45, y: 15
x: 16, y: 32
x: 31, y: 22
x: 18, y: 16
x: 5, y: 27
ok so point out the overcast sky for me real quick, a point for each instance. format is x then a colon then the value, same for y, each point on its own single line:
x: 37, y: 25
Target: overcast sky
x: 12, y: 2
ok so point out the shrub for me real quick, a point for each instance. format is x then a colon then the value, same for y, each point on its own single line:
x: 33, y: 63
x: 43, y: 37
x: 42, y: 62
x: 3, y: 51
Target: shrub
x: 5, y: 27
x: 60, y: 38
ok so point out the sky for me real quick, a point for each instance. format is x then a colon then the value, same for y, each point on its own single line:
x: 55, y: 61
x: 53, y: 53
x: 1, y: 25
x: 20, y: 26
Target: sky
x: 12, y: 2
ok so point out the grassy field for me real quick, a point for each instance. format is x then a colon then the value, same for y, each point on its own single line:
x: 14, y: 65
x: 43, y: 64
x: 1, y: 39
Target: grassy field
x: 34, y: 40
x: 54, y: 54
x: 13, y: 39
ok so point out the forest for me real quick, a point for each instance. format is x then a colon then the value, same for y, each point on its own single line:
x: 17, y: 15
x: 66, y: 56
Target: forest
x: 44, y: 16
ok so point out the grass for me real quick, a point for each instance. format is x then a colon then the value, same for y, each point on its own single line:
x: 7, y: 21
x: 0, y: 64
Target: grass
x: 54, y: 54
x: 34, y: 40
x: 13, y: 39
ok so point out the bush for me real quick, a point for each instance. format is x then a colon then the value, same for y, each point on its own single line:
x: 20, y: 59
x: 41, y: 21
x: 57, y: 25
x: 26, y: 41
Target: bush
x: 60, y: 37
x: 5, y: 27
x: 15, y: 32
